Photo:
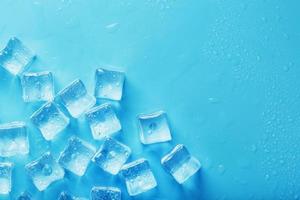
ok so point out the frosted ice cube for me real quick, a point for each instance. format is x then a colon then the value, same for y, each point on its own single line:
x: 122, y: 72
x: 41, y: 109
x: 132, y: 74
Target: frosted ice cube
x: 5, y: 177
x: 105, y: 193
x: 112, y: 155
x: 180, y: 163
x: 24, y: 196
x: 50, y: 120
x: 13, y: 139
x: 138, y: 177
x: 37, y: 86
x: 154, y: 128
x: 109, y: 84
x: 44, y: 171
x: 76, y: 98
x: 76, y: 156
x: 103, y: 121
x: 67, y: 196
x: 15, y: 57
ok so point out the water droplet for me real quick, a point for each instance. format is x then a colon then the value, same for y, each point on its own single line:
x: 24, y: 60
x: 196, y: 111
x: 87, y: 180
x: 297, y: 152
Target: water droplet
x: 221, y: 169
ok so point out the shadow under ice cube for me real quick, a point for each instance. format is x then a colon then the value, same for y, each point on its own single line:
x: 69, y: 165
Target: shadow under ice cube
x: 105, y: 193
x: 15, y: 57
x: 44, y: 171
x: 5, y: 177
x: 50, y: 120
x: 138, y: 177
x: 13, y: 139
x: 76, y: 98
x: 109, y: 84
x: 76, y: 156
x: 154, y: 128
x: 37, y: 86
x: 112, y: 155
x: 103, y: 121
x: 180, y: 163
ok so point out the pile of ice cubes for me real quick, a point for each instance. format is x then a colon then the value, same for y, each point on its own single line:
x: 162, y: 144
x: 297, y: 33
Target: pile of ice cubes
x: 73, y: 102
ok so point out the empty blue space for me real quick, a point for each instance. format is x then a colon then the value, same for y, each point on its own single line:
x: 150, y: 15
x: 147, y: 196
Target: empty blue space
x: 225, y: 71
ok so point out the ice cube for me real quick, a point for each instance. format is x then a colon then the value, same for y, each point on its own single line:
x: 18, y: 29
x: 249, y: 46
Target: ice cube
x: 24, y: 196
x: 112, y: 155
x: 103, y: 121
x: 13, y: 139
x: 180, y: 163
x: 76, y: 98
x: 15, y: 57
x: 138, y: 177
x: 67, y: 196
x: 44, y: 171
x: 105, y: 193
x: 154, y: 127
x: 5, y: 177
x: 37, y: 86
x: 109, y: 84
x: 76, y: 156
x: 50, y: 120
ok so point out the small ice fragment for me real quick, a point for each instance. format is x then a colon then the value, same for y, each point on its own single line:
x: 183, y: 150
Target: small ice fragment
x: 44, y: 171
x: 15, y: 57
x: 76, y: 98
x: 103, y: 121
x: 76, y: 156
x: 180, y: 163
x: 105, y: 193
x: 50, y: 120
x: 154, y: 128
x: 24, y: 196
x: 5, y: 177
x: 109, y: 84
x: 138, y: 177
x: 37, y: 86
x: 112, y: 155
x: 13, y: 139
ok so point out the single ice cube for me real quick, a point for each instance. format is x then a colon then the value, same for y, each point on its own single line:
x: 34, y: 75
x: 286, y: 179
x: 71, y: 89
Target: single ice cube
x: 44, y: 171
x: 109, y: 84
x: 13, y: 139
x: 76, y: 98
x: 154, y: 128
x: 76, y: 156
x: 103, y: 121
x: 5, y: 177
x: 67, y: 196
x: 112, y: 155
x: 138, y: 177
x: 24, y: 196
x: 37, y: 86
x: 50, y: 120
x: 15, y: 57
x: 105, y: 193
x: 180, y: 163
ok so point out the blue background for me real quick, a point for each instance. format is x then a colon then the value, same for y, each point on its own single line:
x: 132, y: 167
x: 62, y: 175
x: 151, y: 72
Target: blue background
x: 225, y: 71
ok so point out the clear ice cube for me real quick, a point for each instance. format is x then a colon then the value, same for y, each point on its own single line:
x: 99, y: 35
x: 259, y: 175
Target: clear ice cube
x: 24, y: 196
x: 44, y: 171
x: 138, y: 177
x: 76, y: 156
x: 37, y: 86
x: 13, y: 139
x: 67, y: 196
x: 105, y: 193
x: 103, y: 121
x: 112, y: 155
x: 5, y: 177
x: 109, y: 84
x: 76, y: 98
x: 154, y: 127
x: 50, y: 120
x: 15, y: 57
x: 180, y: 163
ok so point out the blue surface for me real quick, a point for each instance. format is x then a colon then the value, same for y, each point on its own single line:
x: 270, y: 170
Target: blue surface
x: 225, y: 71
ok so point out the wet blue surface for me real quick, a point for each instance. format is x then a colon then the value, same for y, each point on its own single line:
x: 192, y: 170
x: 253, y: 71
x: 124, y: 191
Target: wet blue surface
x: 226, y: 72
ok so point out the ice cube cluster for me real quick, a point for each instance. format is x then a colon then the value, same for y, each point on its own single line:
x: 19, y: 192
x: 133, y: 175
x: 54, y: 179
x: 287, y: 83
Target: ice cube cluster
x: 75, y: 102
